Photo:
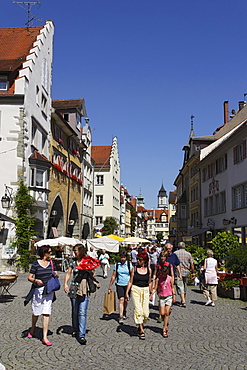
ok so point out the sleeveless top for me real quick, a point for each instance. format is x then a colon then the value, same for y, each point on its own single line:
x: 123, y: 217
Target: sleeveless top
x: 141, y: 280
x: 165, y: 288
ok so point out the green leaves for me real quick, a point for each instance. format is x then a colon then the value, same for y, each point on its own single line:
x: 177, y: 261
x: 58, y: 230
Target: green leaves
x: 24, y: 205
x: 223, y: 243
x: 110, y: 226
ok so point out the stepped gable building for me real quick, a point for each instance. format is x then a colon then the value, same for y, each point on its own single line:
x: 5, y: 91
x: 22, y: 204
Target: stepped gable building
x: 25, y: 113
x: 106, y: 183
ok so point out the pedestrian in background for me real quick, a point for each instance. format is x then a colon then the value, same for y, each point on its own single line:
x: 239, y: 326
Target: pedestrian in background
x: 210, y: 283
x: 121, y: 273
x: 133, y: 255
x: 92, y: 252
x: 186, y: 267
x: 40, y: 272
x: 104, y: 262
x: 141, y: 291
x: 174, y: 261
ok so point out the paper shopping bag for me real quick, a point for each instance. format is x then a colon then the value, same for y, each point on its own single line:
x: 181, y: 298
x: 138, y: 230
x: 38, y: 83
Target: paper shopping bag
x: 109, y: 305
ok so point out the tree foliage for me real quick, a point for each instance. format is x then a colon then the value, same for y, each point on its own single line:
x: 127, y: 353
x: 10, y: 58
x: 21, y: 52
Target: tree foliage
x: 237, y: 260
x: 159, y: 236
x: 24, y: 205
x: 110, y: 226
x: 223, y: 243
x: 198, y: 254
x: 133, y: 218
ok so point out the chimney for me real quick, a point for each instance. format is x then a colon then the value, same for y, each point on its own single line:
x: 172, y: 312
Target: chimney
x: 226, y: 114
x: 241, y: 104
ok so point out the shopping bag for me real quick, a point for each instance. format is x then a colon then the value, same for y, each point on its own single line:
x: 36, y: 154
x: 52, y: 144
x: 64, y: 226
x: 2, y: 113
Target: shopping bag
x: 109, y: 305
x: 152, y: 302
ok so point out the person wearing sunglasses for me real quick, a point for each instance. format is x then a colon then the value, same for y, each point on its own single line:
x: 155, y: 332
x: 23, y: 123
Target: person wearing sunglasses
x: 141, y: 291
x: 40, y: 272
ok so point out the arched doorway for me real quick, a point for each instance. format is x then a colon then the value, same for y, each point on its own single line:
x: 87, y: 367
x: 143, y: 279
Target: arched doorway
x: 73, y: 222
x: 85, y: 230
x: 56, y: 219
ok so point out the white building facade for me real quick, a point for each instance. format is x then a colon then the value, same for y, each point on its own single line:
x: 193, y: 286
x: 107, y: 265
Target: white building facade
x: 25, y: 111
x: 106, y: 183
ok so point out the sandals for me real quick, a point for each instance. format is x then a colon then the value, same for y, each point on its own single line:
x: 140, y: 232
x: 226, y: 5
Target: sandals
x: 142, y: 336
x: 164, y: 333
x: 182, y: 304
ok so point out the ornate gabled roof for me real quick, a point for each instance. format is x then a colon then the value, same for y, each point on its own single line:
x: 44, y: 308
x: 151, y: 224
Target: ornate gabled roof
x: 15, y: 46
x: 101, y: 155
x: 162, y: 191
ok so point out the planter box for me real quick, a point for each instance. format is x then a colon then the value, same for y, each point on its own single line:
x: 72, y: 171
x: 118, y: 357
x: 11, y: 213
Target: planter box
x: 233, y: 293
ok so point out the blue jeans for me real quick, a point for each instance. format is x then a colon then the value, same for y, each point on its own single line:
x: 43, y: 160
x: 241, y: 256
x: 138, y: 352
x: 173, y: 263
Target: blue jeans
x: 79, y: 315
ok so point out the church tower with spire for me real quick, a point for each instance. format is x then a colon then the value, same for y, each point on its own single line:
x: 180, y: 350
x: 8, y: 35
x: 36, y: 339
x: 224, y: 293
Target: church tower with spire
x: 162, y: 198
x: 140, y: 200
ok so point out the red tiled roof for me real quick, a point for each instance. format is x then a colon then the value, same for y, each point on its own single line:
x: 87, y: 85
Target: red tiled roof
x: 15, y: 45
x: 101, y: 155
x: 38, y: 156
x: 67, y: 103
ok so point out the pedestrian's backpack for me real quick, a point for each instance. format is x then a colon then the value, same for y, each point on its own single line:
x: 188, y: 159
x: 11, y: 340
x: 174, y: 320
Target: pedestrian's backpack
x: 128, y: 262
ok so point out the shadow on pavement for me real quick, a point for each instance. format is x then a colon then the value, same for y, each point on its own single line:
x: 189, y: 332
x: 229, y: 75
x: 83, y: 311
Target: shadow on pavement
x: 128, y: 329
x: 197, y: 302
x: 7, y: 298
x: 64, y: 329
x: 113, y: 316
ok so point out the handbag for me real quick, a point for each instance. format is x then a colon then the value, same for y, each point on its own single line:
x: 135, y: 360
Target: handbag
x: 53, y: 283
x: 109, y: 305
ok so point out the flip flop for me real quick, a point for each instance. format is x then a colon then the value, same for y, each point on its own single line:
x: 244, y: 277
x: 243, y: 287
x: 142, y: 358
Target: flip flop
x: 182, y: 305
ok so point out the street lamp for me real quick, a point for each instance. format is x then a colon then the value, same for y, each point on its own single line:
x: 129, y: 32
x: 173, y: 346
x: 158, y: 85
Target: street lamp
x: 7, y: 198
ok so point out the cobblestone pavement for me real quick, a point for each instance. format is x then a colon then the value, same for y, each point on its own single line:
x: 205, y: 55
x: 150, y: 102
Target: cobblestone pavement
x: 200, y: 337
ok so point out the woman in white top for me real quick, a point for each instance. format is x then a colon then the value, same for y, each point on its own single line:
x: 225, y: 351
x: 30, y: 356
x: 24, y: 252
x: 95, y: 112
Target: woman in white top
x: 211, y: 281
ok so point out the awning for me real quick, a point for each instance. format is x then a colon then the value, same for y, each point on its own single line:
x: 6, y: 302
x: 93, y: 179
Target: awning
x: 198, y: 232
x: 6, y: 218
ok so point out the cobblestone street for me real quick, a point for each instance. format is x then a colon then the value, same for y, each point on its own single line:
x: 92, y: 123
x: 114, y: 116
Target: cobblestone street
x: 200, y: 337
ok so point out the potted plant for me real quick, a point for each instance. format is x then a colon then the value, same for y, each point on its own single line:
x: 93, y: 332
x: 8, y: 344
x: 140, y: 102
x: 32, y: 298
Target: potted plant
x: 229, y: 288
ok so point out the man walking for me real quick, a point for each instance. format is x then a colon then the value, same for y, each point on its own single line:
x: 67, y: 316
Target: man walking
x: 175, y: 262
x: 186, y: 264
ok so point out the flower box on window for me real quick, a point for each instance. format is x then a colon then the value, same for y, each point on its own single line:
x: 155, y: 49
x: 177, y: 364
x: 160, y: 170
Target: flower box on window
x: 79, y: 181
x: 65, y: 172
x: 60, y: 141
x: 59, y: 168
x: 76, y: 152
x: 74, y: 177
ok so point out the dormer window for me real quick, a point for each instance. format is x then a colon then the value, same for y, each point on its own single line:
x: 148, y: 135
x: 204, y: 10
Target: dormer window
x: 4, y: 83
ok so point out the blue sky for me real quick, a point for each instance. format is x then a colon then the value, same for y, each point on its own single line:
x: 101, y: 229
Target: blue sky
x: 144, y: 67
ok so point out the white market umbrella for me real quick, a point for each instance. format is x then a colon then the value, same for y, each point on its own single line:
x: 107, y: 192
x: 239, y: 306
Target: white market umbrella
x: 135, y: 239
x: 62, y: 241
x: 109, y: 244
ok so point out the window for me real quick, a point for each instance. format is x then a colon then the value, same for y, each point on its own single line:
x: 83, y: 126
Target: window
x: 99, y: 200
x: 44, y: 104
x: 45, y: 74
x: 183, y: 212
x: 204, y: 174
x: 98, y: 220
x: 210, y: 170
x: 37, y: 95
x: 37, y: 178
x: 221, y: 164
x: 240, y: 196
x: 3, y: 83
x: 239, y: 152
x: 100, y: 179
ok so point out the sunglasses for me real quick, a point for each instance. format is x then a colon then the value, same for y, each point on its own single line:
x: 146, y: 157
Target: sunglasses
x: 140, y: 259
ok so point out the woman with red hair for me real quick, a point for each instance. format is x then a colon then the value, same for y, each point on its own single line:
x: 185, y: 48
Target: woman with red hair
x: 141, y: 291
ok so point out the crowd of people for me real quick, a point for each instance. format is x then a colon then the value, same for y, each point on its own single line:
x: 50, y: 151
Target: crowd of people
x: 140, y: 274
